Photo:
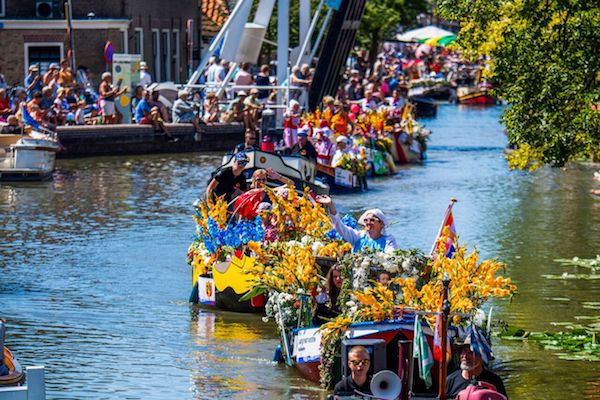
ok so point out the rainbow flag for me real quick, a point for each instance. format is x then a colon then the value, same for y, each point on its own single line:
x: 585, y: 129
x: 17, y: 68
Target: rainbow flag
x: 447, y: 229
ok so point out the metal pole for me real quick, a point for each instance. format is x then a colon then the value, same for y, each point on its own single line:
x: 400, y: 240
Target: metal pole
x: 283, y: 39
x: 444, y: 337
x: 69, y: 16
x: 309, y: 34
x: 190, y: 46
x: 321, y: 33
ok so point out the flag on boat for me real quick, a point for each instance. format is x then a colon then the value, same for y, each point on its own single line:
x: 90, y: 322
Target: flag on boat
x: 28, y: 119
x: 448, y: 230
x: 422, y: 353
x: 437, y: 340
x: 479, y: 344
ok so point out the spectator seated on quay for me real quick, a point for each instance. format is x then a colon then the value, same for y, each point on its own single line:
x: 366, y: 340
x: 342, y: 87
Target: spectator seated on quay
x: 253, y: 109
x: 5, y: 109
x: 155, y: 102
x: 33, y: 81
x: 236, y: 112
x: 263, y: 79
x: 211, y: 108
x: 65, y: 75
x: 143, y: 109
x: 19, y: 96
x: 12, y: 127
x: 184, y: 112
x: 51, y: 77
x: 80, y: 113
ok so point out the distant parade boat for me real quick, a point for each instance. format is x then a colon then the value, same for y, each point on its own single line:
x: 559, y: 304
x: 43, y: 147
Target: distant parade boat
x: 27, y: 157
x: 473, y: 96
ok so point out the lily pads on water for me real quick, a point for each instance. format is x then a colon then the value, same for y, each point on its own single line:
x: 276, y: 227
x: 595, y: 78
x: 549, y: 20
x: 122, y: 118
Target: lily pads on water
x: 592, y: 263
x: 579, y: 343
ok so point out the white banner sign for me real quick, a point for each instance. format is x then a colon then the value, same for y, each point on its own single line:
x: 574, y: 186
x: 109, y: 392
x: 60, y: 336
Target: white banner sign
x: 206, y: 291
x: 307, y: 346
x: 343, y: 177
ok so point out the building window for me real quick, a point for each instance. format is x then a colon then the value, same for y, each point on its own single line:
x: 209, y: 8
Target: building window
x: 124, y: 41
x: 156, y: 54
x: 2, y: 8
x: 138, y: 41
x: 176, y: 55
x: 166, y: 55
x: 42, y: 54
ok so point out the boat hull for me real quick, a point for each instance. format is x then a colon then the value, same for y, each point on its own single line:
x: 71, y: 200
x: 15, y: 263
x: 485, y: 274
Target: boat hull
x: 15, y: 375
x: 341, y: 182
x: 482, y: 98
x: 27, y: 158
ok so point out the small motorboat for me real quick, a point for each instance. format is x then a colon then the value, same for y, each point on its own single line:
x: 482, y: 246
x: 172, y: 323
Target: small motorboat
x: 15, y: 374
x: 299, y: 169
x: 474, y: 96
x: 29, y: 156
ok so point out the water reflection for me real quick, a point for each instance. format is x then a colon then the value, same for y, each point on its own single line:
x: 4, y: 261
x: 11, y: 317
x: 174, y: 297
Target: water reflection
x: 94, y: 285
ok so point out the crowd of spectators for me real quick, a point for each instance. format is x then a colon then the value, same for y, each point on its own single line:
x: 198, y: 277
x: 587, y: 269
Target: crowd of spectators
x: 60, y: 96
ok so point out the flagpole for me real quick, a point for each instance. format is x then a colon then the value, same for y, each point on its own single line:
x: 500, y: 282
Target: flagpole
x: 448, y: 209
x: 444, y: 317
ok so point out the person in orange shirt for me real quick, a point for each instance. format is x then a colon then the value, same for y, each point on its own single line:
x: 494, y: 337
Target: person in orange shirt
x: 65, y: 75
x: 340, y: 119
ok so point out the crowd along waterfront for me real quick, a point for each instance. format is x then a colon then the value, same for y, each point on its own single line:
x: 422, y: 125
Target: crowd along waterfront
x: 94, y: 285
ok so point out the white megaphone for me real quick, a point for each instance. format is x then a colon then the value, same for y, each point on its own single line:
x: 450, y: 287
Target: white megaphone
x: 386, y: 385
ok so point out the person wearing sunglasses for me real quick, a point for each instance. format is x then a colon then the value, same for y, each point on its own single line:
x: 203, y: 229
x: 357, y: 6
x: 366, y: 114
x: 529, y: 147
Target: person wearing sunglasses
x: 229, y: 180
x: 373, y: 236
x: 358, y: 382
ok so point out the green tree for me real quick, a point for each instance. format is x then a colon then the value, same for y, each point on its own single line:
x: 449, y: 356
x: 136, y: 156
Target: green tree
x: 544, y: 54
x: 382, y: 18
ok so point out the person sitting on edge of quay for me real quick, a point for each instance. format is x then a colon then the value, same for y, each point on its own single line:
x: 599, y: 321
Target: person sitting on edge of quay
x: 108, y: 94
x: 249, y: 141
x: 253, y: 109
x: 33, y: 81
x: 183, y: 111
x: 372, y: 237
x: 358, y: 383
x: 304, y: 147
x: 229, y: 180
x: 471, y: 368
x: 12, y: 126
x: 236, y: 111
x: 211, y: 112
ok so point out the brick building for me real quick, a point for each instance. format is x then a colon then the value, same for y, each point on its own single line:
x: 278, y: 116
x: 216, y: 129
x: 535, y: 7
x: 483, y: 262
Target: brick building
x: 35, y: 32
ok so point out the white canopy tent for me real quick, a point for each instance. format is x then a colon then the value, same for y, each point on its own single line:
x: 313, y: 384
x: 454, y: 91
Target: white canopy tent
x: 422, y: 34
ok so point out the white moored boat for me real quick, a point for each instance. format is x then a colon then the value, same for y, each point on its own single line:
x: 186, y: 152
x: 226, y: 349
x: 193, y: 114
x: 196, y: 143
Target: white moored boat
x: 29, y: 156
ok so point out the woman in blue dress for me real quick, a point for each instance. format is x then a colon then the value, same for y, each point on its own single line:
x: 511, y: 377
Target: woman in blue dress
x: 373, y: 236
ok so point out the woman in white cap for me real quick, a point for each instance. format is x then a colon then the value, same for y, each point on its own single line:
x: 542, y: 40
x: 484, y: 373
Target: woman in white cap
x: 342, y: 148
x: 373, y: 236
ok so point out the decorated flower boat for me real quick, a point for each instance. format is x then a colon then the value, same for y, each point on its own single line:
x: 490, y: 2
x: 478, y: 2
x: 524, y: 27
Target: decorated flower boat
x: 301, y: 170
x: 15, y: 372
x: 230, y: 249
x: 391, y: 317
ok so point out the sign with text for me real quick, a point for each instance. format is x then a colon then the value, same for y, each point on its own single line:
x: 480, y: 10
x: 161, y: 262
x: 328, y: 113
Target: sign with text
x: 307, y: 346
x: 126, y: 72
x: 343, y: 177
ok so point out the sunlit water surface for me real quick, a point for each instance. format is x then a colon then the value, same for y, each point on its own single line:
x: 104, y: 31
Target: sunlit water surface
x: 94, y: 285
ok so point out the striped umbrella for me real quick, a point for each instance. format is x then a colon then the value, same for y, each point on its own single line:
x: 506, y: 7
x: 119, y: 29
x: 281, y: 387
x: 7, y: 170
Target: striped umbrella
x: 439, y: 40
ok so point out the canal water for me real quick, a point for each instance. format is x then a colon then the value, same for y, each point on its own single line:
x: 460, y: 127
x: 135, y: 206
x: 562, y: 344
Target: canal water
x: 93, y: 282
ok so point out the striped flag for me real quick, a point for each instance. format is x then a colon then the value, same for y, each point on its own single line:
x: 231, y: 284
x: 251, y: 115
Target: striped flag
x: 437, y: 341
x: 479, y: 344
x: 422, y: 353
x: 447, y: 229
